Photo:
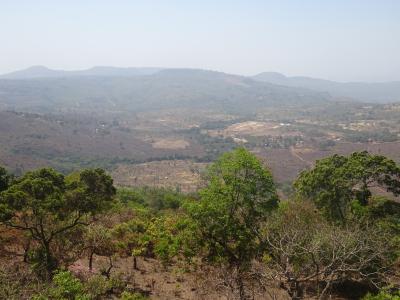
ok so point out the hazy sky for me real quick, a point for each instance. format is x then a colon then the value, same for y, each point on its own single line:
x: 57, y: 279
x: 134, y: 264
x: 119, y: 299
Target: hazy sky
x: 334, y: 39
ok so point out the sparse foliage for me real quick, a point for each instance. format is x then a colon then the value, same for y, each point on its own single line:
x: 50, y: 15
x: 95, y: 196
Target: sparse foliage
x: 305, y: 250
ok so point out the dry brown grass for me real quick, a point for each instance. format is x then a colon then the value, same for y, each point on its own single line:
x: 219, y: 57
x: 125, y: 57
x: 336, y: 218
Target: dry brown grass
x: 174, y: 144
x: 182, y: 174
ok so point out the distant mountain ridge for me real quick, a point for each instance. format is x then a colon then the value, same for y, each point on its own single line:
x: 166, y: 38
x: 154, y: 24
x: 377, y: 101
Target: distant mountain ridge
x: 377, y: 92
x: 106, y: 71
x: 384, y: 92
x: 164, y: 89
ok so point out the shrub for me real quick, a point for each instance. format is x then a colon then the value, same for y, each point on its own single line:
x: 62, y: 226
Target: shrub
x: 64, y: 287
x: 383, y: 295
x: 132, y: 296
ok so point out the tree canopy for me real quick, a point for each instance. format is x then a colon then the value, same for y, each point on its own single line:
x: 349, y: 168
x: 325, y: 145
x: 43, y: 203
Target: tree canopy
x: 232, y: 208
x: 46, y: 205
x: 234, y: 236
x: 5, y: 179
x: 338, y: 181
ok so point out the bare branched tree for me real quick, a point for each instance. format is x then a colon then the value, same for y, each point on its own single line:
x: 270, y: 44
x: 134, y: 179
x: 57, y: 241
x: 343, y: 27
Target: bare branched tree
x: 304, y: 250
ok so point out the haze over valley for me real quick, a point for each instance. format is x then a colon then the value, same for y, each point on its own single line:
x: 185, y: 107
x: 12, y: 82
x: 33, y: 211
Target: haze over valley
x: 200, y: 150
x: 131, y: 119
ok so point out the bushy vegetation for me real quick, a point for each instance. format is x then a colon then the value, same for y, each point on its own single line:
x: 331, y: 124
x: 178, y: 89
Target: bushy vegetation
x: 213, y: 146
x: 374, y: 136
x: 66, y: 237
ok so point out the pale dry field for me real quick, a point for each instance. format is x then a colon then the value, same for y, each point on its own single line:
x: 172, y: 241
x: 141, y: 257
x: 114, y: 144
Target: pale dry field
x: 173, y: 144
x: 184, y: 175
x: 255, y: 128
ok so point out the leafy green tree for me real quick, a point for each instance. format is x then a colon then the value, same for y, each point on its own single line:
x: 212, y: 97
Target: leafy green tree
x: 156, y: 199
x: 164, y: 237
x: 47, y: 206
x: 171, y: 236
x: 336, y: 182
x: 385, y: 214
x: 98, y: 240
x: 232, y: 209
x: 5, y: 179
x: 131, y: 238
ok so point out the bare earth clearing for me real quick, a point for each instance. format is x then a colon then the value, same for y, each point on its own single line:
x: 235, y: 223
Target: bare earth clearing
x: 170, y: 144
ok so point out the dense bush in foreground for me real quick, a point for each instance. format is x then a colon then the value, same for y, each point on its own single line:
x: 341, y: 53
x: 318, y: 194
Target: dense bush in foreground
x: 76, y: 237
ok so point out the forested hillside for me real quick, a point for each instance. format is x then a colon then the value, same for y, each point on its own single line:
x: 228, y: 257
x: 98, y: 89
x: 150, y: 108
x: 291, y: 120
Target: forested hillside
x: 373, y: 92
x: 76, y: 236
x: 166, y: 89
